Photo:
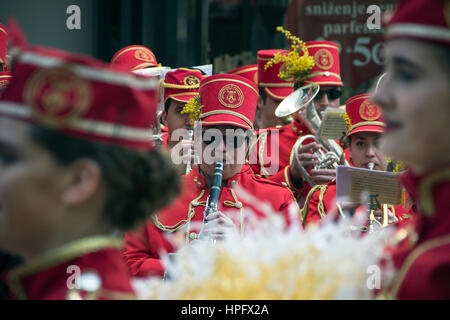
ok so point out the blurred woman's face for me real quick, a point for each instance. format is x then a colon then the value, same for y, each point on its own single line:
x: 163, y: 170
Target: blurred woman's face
x: 415, y: 98
x: 30, y: 186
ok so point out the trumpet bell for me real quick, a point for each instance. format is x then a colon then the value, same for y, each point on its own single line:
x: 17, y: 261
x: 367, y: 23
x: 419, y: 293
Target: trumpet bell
x: 297, y: 100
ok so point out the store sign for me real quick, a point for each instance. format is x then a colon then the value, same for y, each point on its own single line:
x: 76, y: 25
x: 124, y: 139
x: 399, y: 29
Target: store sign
x: 355, y: 26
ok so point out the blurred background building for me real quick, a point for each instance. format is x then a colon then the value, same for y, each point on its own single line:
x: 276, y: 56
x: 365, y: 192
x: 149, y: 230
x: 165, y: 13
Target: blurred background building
x: 225, y: 33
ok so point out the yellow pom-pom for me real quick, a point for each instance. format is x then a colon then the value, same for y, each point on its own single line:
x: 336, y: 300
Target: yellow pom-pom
x: 347, y: 120
x: 296, y: 65
x: 193, y: 107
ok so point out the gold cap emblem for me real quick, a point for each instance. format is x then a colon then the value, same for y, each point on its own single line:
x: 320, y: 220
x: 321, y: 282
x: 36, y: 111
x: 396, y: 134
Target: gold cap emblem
x: 57, y: 95
x: 369, y: 111
x: 144, y: 55
x: 191, y: 80
x: 231, y: 96
x: 323, y: 59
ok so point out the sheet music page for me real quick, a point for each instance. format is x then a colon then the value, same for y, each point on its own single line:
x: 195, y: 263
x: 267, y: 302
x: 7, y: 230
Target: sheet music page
x: 333, y: 124
x: 352, y: 183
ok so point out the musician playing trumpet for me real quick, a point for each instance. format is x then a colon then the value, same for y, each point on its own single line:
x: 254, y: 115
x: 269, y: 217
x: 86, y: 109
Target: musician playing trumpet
x: 365, y: 127
x: 275, y: 148
x: 225, y: 108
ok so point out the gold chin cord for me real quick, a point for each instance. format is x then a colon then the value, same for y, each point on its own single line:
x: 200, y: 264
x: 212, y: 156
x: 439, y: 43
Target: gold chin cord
x: 300, y: 102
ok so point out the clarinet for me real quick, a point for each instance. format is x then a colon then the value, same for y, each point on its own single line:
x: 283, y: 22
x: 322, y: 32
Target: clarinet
x: 213, y: 198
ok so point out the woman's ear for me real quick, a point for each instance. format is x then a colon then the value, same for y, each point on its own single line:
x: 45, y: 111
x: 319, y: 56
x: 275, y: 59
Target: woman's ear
x: 259, y: 103
x: 164, y: 117
x: 83, y: 180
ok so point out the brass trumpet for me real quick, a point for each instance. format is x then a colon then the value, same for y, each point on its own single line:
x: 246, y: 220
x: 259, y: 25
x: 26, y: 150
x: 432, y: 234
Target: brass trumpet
x: 301, y: 102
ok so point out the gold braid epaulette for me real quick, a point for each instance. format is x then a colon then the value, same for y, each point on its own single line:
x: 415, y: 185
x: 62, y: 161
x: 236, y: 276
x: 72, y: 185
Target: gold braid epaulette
x: 191, y: 213
x: 320, y: 207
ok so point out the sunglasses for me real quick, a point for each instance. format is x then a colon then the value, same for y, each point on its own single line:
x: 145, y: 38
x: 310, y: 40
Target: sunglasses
x: 332, y: 94
x: 232, y: 141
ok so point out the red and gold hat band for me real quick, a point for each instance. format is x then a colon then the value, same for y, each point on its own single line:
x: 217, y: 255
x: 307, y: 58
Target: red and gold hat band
x: 175, y: 95
x: 419, y: 30
x: 277, y: 85
x: 366, y: 123
x: 321, y: 73
x: 86, y: 72
x: 179, y: 86
x: 229, y: 80
x: 100, y: 128
x: 236, y: 114
x: 245, y: 70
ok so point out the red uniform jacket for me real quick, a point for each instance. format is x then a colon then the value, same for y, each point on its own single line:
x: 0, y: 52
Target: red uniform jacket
x: 183, y: 217
x: 421, y: 248
x: 165, y: 138
x: 322, y: 200
x: 53, y: 276
x: 272, y: 154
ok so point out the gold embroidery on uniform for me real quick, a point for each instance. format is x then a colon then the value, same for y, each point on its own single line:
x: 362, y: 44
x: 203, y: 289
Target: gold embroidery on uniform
x: 191, y: 213
x: 426, y: 186
x: 413, y: 256
x: 51, y: 258
x: 304, y: 211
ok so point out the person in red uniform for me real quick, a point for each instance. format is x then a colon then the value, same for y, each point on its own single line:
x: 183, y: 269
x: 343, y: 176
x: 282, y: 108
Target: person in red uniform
x: 273, y: 154
x: 272, y: 90
x: 414, y: 97
x: 180, y: 86
x: 77, y: 166
x: 229, y: 103
x: 365, y: 127
x: 135, y: 58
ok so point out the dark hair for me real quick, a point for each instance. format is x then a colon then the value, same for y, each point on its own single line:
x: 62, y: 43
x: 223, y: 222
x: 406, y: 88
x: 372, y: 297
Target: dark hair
x: 138, y: 182
x: 443, y: 54
x: 262, y: 94
x: 167, y: 105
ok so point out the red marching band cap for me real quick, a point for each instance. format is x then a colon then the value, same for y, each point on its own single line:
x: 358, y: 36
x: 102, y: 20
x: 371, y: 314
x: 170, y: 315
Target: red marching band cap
x: 228, y: 99
x: 82, y: 97
x: 363, y: 115
x: 268, y: 77
x: 326, y: 70
x: 3, y: 43
x: 181, y: 84
x: 421, y: 19
x: 134, y: 57
x: 5, y: 76
x: 249, y: 71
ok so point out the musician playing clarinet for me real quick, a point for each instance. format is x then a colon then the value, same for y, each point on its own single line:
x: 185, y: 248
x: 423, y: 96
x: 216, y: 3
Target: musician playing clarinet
x: 225, y: 108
